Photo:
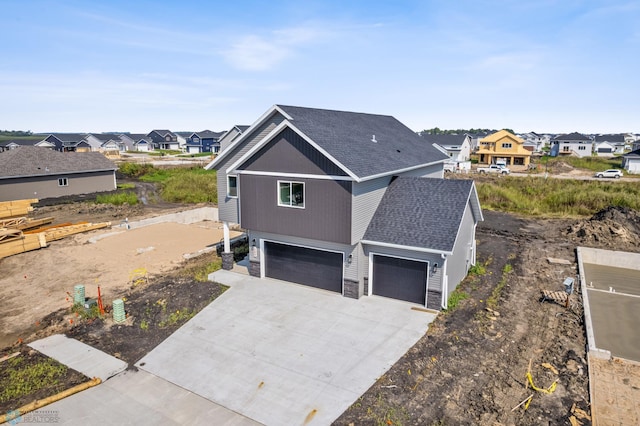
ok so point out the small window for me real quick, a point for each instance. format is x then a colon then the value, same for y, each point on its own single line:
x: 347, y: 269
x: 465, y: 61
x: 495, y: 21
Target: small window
x: 506, y: 145
x: 232, y: 186
x: 291, y: 194
x: 63, y: 182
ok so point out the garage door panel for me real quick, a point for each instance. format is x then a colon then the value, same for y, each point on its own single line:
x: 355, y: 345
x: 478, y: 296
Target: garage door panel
x: 401, y: 279
x: 315, y: 268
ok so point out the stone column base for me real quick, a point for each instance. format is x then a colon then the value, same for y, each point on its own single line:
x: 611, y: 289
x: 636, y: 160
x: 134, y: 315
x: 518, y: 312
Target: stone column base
x: 254, y: 268
x: 227, y: 261
x: 352, y: 289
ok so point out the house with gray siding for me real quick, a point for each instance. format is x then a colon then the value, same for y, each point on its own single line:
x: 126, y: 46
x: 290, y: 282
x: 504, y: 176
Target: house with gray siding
x: 35, y: 172
x: 347, y: 202
x: 230, y: 135
x: 575, y: 144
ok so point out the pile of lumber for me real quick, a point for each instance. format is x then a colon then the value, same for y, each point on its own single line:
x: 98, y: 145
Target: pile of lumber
x: 19, y: 233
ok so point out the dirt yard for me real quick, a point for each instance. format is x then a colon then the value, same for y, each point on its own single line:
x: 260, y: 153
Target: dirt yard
x: 36, y: 283
x: 470, y: 368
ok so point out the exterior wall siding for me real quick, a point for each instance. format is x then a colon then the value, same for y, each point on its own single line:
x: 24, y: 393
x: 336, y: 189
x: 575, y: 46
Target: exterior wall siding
x: 350, y: 269
x: 459, y: 262
x: 325, y: 216
x: 47, y: 186
x: 227, y: 206
x: 290, y: 153
x: 432, y: 171
x: 366, y: 198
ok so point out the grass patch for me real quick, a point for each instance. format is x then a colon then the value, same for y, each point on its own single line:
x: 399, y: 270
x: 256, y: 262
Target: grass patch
x: 177, y: 317
x: 197, y: 154
x: 91, y: 313
x: 492, y: 301
x: 478, y: 270
x: 456, y: 297
x: 135, y: 169
x: 19, y: 379
x: 126, y: 186
x: 594, y: 164
x: 118, y: 198
x: 535, y: 196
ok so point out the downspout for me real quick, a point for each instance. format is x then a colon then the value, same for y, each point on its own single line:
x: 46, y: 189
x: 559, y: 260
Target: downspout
x: 445, y: 282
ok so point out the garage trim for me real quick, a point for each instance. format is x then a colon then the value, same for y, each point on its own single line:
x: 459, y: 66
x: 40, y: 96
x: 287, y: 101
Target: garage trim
x: 372, y: 278
x: 263, y: 260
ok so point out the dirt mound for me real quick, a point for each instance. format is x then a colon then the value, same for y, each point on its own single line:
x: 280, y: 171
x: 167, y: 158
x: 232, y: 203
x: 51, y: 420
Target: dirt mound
x: 611, y: 227
x: 560, y: 167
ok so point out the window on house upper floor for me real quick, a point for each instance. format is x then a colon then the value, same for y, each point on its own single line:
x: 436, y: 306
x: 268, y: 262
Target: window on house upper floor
x: 63, y: 182
x: 506, y: 144
x: 582, y: 147
x: 232, y: 186
x: 291, y: 194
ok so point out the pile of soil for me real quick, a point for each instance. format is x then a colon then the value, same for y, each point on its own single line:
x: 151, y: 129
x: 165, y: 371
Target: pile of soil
x: 614, y: 227
x: 559, y: 167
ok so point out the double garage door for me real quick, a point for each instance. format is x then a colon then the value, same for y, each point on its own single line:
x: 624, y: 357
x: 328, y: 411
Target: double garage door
x: 315, y: 268
x: 401, y: 279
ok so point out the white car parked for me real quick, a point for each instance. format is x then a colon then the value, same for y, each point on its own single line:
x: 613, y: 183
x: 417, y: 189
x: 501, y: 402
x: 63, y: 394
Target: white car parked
x: 611, y: 173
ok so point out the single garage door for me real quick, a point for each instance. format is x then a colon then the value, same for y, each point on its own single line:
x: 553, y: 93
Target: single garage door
x: 401, y: 279
x: 315, y: 268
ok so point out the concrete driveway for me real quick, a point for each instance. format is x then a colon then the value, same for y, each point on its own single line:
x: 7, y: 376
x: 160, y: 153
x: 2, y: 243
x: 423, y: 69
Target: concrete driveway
x: 280, y: 353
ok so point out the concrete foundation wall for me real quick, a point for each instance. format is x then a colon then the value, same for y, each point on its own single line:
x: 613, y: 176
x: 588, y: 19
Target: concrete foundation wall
x: 618, y: 259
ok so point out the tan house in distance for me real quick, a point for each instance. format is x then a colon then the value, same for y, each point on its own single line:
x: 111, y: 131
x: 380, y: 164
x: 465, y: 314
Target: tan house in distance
x: 503, y: 145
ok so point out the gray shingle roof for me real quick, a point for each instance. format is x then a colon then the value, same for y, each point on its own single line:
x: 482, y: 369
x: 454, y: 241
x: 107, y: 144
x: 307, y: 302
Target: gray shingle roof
x: 445, y: 140
x: 69, y: 137
x: 104, y: 137
x: 242, y: 127
x: 347, y: 137
x: 421, y: 212
x: 618, y: 138
x: 208, y: 134
x: 35, y: 161
x: 575, y: 136
x: 632, y: 154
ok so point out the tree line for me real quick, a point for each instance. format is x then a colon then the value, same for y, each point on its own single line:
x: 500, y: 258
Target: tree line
x: 16, y: 133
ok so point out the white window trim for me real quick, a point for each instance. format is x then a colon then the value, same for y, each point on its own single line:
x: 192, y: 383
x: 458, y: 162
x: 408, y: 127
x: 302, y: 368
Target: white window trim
x: 63, y: 181
x: 228, y: 194
x: 291, y: 182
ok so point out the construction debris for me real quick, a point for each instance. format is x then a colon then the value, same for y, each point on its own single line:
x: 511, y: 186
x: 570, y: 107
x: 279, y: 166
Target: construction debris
x: 19, y: 234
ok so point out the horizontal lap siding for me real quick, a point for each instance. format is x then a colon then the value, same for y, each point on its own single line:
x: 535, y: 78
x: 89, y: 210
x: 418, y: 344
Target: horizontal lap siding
x: 459, y: 262
x: 47, y: 186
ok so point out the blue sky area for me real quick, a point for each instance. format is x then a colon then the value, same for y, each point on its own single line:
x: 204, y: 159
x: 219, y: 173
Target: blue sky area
x: 544, y: 66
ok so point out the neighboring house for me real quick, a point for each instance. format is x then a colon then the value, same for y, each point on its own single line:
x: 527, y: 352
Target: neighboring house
x: 164, y: 139
x: 127, y: 141
x: 32, y: 172
x: 616, y: 141
x: 183, y: 139
x: 65, y: 142
x: 136, y: 141
x: 631, y: 161
x: 571, y: 144
x: 604, y: 149
x: 535, y: 141
x: 15, y: 143
x: 204, y: 141
x: 143, y: 144
x: 347, y: 202
x: 106, y: 142
x: 230, y: 135
x: 503, y: 145
x: 457, y: 147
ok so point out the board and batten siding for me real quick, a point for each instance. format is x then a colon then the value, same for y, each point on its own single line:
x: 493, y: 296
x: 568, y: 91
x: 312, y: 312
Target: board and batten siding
x: 227, y: 206
x: 459, y: 262
x: 350, y: 270
x: 325, y: 216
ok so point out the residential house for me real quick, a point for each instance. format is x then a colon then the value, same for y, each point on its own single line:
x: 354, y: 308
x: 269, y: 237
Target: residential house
x: 127, y: 141
x: 33, y: 172
x: 106, y: 142
x: 631, y: 161
x: 65, y: 142
x: 204, y: 141
x: 603, y: 149
x: 164, y: 139
x: 144, y: 144
x: 230, y: 135
x: 183, y: 140
x: 535, y: 142
x: 503, y: 146
x: 135, y: 141
x: 457, y: 147
x: 16, y: 143
x: 617, y: 142
x: 571, y: 144
x: 347, y: 202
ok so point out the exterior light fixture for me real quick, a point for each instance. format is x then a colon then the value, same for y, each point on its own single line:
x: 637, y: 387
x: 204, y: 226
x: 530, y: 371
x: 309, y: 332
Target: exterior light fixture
x: 350, y: 259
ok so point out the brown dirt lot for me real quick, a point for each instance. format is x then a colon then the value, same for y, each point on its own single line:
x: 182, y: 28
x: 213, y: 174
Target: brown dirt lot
x: 468, y: 369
